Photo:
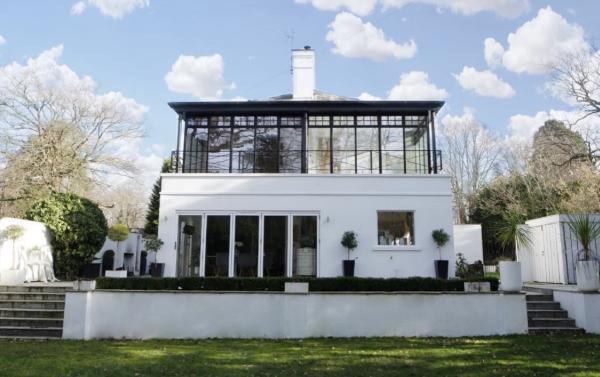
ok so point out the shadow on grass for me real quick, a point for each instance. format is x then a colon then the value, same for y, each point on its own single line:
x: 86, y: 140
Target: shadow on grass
x: 497, y: 356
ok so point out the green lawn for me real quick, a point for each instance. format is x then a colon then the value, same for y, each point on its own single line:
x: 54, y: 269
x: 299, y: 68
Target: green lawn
x: 498, y: 356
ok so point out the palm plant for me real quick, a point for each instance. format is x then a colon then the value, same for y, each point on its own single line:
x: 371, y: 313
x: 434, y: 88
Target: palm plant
x: 586, y: 230
x: 511, y: 232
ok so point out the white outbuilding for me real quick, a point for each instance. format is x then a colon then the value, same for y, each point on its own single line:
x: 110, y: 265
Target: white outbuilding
x: 553, y: 252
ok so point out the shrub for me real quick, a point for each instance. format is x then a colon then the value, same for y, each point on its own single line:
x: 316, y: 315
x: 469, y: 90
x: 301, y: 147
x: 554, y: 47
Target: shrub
x: 153, y: 243
x: 78, y: 230
x: 441, y: 238
x: 349, y: 241
x: 273, y: 284
x: 118, y: 232
x: 462, y: 267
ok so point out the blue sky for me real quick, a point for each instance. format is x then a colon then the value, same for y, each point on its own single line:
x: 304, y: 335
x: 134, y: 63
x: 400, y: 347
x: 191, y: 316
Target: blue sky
x: 132, y: 51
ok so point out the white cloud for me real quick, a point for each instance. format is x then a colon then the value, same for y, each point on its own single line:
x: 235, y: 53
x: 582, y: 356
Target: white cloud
x: 484, y: 83
x: 538, y: 44
x: 200, y: 76
x: 415, y: 86
x: 78, y: 8
x: 111, y: 8
x: 354, y: 38
x: 522, y: 127
x: 2, y: 40
x: 364, y: 96
x: 493, y: 51
x: 360, y: 7
x: 504, y: 8
x: 148, y: 162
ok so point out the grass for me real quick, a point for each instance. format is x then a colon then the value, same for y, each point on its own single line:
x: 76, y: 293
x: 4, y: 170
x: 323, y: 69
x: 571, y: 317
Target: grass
x: 495, y: 356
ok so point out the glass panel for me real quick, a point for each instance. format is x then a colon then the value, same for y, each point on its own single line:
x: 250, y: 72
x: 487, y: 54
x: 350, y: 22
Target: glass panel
x: 217, y: 246
x: 246, y: 246
x: 305, y: 246
x: 392, y: 149
x: 242, y: 158
x: 318, y: 150
x: 367, y: 155
x: 343, y: 150
x: 416, y: 151
x: 366, y: 120
x: 319, y: 121
x: 266, y: 150
x: 195, y: 150
x: 275, y: 246
x: 218, y: 147
x: 188, y: 253
x: 395, y: 228
x: 290, y: 150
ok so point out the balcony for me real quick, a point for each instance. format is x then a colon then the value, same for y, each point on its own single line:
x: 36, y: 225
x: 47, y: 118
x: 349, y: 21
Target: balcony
x: 360, y: 161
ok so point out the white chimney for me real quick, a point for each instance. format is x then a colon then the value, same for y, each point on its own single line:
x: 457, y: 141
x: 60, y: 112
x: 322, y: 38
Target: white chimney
x: 303, y: 72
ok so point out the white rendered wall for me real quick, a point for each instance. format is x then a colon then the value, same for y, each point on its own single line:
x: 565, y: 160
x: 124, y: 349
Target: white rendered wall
x: 343, y: 202
x: 133, y: 244
x: 468, y: 241
x: 146, y: 315
x: 584, y: 308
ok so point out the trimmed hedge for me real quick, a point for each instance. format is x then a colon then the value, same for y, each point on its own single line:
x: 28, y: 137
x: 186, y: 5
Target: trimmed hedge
x: 272, y: 284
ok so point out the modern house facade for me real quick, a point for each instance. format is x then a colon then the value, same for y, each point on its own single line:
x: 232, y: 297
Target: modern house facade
x: 268, y: 187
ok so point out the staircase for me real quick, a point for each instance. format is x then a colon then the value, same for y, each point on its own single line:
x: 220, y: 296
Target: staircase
x: 32, y: 312
x: 545, y: 316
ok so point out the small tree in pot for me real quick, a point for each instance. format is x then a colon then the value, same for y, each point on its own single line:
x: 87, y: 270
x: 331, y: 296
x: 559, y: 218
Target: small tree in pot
x: 441, y: 238
x: 587, y: 272
x: 512, y: 233
x: 350, y: 242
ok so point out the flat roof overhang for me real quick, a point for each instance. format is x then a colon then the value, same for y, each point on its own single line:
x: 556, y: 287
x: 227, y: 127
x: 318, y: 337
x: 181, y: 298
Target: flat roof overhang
x: 309, y: 107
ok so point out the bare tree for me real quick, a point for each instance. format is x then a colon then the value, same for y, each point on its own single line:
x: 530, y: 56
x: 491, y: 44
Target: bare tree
x: 57, y: 136
x: 471, y: 158
x: 577, y: 81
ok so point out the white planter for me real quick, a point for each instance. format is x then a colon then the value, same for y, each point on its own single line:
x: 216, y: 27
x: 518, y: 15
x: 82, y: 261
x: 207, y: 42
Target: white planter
x: 510, y: 276
x: 587, y: 273
x: 296, y: 287
x: 115, y: 274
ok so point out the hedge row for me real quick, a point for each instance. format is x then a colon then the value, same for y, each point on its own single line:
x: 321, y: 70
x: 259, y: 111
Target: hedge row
x: 272, y: 284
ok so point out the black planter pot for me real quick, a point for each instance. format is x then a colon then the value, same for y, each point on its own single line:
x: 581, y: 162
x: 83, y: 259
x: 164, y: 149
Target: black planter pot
x: 441, y: 269
x: 348, y: 268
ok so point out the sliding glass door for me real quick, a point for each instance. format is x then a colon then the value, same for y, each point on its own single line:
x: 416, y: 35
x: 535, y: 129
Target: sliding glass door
x: 248, y: 245
x: 275, y: 245
x: 217, y: 246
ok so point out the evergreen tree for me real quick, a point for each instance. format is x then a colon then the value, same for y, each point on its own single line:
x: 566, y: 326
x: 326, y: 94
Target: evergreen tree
x: 151, y: 227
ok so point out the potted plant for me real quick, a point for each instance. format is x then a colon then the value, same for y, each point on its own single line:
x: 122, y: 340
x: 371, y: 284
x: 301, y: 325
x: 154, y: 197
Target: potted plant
x: 586, y: 270
x: 153, y: 244
x: 350, y: 242
x: 512, y: 233
x: 441, y: 238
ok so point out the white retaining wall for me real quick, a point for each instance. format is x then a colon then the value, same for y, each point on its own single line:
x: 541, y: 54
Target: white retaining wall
x: 145, y: 315
x: 584, y: 308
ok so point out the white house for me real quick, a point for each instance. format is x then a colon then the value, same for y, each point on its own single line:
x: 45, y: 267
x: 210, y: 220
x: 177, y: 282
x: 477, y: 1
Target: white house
x: 268, y: 187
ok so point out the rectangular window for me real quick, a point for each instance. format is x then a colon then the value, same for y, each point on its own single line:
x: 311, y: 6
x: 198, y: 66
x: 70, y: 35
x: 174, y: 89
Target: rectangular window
x: 367, y: 150
x: 319, y: 150
x: 369, y: 120
x: 242, y: 156
x: 343, y: 150
x: 392, y: 150
x: 217, y: 246
x: 318, y: 121
x: 219, y: 149
x: 395, y: 228
x: 290, y: 150
x: 304, y: 246
x: 416, y: 150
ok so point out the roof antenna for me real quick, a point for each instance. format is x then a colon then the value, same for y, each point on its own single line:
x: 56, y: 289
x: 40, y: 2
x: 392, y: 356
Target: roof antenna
x: 289, y: 35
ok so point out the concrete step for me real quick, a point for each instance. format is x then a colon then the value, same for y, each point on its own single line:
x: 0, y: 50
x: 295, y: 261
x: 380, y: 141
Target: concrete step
x: 32, y: 304
x: 543, y: 305
x: 555, y: 330
x: 31, y: 322
x: 32, y: 313
x: 547, y: 314
x: 539, y: 297
x: 32, y: 296
x: 551, y: 322
x: 528, y: 289
x: 39, y: 289
x: 23, y: 331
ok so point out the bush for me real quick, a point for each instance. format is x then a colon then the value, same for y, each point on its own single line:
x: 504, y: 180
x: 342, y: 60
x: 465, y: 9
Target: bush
x: 118, y: 232
x: 462, y: 267
x: 78, y: 229
x: 272, y: 284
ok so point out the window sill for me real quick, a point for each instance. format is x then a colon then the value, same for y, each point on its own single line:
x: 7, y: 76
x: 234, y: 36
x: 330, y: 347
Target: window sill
x: 396, y: 248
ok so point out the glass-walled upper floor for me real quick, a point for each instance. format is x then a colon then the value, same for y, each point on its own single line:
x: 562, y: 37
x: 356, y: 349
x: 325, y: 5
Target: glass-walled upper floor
x: 321, y: 144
